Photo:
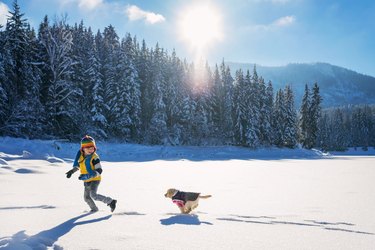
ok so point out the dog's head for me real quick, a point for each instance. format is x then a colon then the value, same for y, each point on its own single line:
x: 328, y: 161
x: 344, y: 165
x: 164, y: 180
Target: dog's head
x: 170, y: 192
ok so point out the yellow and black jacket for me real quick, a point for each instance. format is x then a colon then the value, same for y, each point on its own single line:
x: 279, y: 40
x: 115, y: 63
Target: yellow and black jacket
x: 89, y: 166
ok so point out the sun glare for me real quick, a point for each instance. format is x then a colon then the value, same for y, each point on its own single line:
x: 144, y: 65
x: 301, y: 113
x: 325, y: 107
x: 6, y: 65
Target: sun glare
x: 200, y: 26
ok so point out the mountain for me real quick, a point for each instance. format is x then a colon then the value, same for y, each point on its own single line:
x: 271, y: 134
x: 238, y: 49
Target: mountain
x: 338, y: 86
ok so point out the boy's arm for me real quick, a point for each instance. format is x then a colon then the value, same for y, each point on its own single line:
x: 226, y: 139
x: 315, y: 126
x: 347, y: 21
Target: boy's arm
x: 97, y: 165
x: 75, y: 166
x: 70, y: 172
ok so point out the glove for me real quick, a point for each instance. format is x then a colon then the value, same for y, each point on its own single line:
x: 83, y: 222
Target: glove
x: 69, y: 173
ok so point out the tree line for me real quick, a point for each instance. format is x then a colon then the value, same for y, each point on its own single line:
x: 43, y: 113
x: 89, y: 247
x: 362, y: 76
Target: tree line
x: 65, y: 81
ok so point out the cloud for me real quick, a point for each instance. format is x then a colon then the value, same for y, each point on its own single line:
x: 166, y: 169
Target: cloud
x: 284, y: 21
x: 271, y: 1
x: 277, y: 24
x: 3, y: 13
x: 86, y: 5
x: 134, y: 13
x: 89, y: 4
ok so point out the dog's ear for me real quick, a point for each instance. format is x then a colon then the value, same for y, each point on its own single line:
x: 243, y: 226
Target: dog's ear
x: 170, y: 192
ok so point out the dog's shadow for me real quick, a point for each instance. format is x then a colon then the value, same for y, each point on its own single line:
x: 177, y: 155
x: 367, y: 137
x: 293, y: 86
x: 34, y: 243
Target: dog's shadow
x: 183, y: 219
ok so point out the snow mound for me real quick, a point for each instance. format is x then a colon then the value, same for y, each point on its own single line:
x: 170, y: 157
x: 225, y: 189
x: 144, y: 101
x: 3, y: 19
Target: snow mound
x: 26, y: 154
x: 3, y: 163
x: 53, y: 159
x: 25, y: 171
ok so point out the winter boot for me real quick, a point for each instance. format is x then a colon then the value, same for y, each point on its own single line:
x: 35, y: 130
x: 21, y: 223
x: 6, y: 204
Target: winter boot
x: 112, y: 205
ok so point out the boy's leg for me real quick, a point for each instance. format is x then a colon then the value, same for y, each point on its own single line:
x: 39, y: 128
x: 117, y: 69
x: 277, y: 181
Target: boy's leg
x: 98, y: 197
x: 88, y: 198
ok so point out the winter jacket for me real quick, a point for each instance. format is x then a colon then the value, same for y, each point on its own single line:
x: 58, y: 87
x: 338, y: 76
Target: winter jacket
x: 89, y: 166
x: 183, y: 197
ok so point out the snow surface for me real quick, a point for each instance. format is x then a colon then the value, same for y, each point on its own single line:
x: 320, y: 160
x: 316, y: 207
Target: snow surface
x: 261, y: 199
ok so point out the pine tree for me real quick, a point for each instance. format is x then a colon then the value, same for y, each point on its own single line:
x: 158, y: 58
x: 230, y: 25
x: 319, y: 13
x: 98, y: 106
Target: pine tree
x: 109, y: 54
x: 61, y: 91
x: 158, y: 124
x: 324, y: 133
x: 315, y: 114
x: 278, y: 119
x: 227, y: 83
x: 239, y: 108
x: 252, y: 92
x: 217, y: 103
x: 129, y: 99
x: 15, y: 69
x: 290, y: 116
x: 143, y: 66
x: 338, y: 132
x: 175, y: 93
x: 266, y: 115
x: 304, y: 120
x: 3, y: 94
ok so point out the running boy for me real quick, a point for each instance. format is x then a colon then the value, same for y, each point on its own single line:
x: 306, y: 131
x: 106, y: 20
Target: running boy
x: 88, y: 162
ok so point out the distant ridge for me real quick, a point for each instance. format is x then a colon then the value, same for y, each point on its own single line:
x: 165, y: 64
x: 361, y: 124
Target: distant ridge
x: 338, y: 86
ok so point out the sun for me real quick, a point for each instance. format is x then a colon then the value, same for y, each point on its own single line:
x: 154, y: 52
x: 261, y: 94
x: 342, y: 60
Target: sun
x: 200, y: 26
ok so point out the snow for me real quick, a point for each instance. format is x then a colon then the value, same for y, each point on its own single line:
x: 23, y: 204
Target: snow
x: 263, y: 199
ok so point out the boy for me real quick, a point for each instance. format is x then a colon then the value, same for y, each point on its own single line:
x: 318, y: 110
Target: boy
x: 88, y: 162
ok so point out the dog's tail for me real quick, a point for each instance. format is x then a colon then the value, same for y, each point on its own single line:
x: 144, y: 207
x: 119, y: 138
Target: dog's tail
x: 204, y: 196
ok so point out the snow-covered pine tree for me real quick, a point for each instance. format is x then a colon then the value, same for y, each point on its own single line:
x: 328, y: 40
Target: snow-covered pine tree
x: 87, y: 78
x: 253, y: 110
x: 3, y: 94
x: 81, y: 78
x: 227, y: 83
x: 128, y: 117
x: 278, y: 119
x: 46, y: 74
x: 305, y: 120
x: 217, y: 103
x: 250, y: 138
x: 315, y: 110
x: 266, y: 113
x: 239, y: 108
x: 338, y: 131
x: 15, y: 43
x: 133, y: 87
x: 30, y: 120
x: 175, y: 95
x: 290, y: 116
x: 324, y: 133
x: 143, y: 66
x: 14, y: 63
x: 61, y: 96
x: 109, y: 54
x: 201, y: 82
x: 157, y: 132
x: 361, y: 125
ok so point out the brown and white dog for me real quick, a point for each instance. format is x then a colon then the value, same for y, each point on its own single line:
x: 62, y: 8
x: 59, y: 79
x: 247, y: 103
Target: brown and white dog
x: 186, y: 201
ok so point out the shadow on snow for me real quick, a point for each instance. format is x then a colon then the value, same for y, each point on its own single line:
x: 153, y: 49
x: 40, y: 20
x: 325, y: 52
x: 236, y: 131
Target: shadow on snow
x: 45, y: 239
x: 333, y: 226
x: 183, y: 219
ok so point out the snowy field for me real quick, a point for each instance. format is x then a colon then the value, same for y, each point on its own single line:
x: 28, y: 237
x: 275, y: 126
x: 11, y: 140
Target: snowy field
x: 264, y: 199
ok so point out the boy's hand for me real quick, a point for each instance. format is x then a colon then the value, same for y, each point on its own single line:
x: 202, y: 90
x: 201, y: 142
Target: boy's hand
x: 83, y: 177
x: 69, y: 173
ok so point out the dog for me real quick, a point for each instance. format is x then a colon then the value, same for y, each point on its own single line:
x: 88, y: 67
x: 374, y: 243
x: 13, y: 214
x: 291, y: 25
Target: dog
x: 186, y: 201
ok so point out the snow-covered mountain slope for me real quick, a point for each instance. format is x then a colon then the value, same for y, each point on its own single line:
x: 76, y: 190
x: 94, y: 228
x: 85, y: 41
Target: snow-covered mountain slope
x: 338, y: 86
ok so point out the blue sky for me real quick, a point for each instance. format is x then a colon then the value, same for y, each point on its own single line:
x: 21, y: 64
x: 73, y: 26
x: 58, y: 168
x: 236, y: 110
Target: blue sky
x: 266, y: 32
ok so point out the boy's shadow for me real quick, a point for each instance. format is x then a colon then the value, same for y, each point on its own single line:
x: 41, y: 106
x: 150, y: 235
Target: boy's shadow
x: 185, y: 219
x: 47, y: 238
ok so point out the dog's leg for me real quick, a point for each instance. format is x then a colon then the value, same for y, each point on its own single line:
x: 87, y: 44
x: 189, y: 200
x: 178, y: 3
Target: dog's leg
x: 183, y: 210
x: 188, y: 210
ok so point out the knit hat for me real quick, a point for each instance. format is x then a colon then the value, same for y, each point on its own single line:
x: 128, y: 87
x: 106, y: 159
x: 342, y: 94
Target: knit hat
x: 87, y: 142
